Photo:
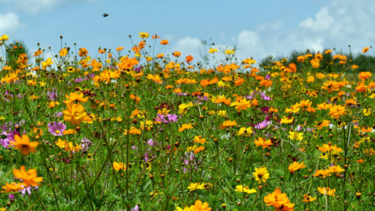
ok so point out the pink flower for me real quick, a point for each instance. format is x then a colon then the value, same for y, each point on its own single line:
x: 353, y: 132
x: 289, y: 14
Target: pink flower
x: 56, y: 129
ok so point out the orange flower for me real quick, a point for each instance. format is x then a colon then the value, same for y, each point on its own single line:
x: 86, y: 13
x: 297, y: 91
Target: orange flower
x: 63, y: 52
x: 160, y: 55
x: 163, y: 42
x: 263, y: 143
x: 278, y: 200
x: 198, y: 149
x: 239, y: 81
x: 75, y: 97
x: 127, y: 63
x: 74, y: 114
x: 189, y: 59
x: 120, y: 48
x: 37, y: 53
x: 365, y: 49
x: 133, y: 130
x: 155, y: 36
x: 301, y: 59
x: 176, y: 53
x: 29, y: 178
x: 336, y: 111
x: 83, y: 52
x: 185, y: 127
x: 12, y: 187
x: 295, y: 166
x: 228, y: 124
x: 199, y: 206
x: 328, y: 51
x: 24, y: 145
x: 135, y: 98
x: 364, y: 75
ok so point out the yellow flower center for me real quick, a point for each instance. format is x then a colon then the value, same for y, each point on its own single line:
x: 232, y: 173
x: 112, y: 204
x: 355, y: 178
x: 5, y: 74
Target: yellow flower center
x: 57, y: 131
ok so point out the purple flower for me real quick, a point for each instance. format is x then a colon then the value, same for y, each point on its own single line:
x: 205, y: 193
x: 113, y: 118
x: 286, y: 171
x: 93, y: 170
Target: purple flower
x: 4, y: 129
x: 152, y: 142
x: 79, y: 80
x: 136, y: 208
x: 56, y: 129
x: 265, y: 109
x: 262, y: 124
x: 11, y: 197
x: 182, y: 94
x: 161, y: 118
x: 138, y: 69
x: 203, y: 98
x: 85, y: 143
x: 52, y: 95
x: 268, y: 77
x: 265, y: 97
x: 172, y: 118
x: 28, y: 189
x: 5, y: 143
x: 146, y: 157
x: 58, y: 114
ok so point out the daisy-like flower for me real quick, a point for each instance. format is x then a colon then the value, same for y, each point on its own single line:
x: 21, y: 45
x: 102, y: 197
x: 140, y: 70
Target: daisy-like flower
x: 56, y: 128
x: 261, y: 174
x: 29, y: 177
x: 24, y: 145
x: 244, y: 189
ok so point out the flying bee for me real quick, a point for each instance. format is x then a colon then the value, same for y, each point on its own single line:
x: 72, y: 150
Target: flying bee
x: 105, y: 14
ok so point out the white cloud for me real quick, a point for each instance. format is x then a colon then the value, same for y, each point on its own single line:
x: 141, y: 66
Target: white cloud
x: 338, y: 24
x: 36, y: 6
x: 9, y: 22
x: 188, y: 46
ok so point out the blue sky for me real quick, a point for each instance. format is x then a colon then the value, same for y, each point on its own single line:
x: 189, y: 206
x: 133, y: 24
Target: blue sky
x: 257, y: 28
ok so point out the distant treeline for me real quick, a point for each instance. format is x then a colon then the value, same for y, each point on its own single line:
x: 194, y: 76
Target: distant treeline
x: 365, y: 62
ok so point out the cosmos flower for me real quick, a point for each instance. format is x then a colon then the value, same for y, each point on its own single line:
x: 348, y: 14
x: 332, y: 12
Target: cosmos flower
x: 56, y: 128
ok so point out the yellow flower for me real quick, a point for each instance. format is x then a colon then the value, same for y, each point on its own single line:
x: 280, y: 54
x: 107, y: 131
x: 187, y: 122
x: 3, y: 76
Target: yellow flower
x: 327, y: 191
x: 184, y: 107
x: 47, y: 63
x: 222, y: 113
x: 212, y: 50
x: 245, y: 131
x: 4, y: 38
x: 185, y: 209
x: 229, y: 51
x: 196, y: 186
x: 307, y: 198
x: 244, y: 189
x: 119, y: 166
x: 286, y: 120
x: 295, y: 136
x: 199, y: 139
x: 261, y: 174
x: 367, y: 111
x: 143, y: 35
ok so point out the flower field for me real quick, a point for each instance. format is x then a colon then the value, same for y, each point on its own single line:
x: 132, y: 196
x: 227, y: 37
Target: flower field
x: 130, y: 129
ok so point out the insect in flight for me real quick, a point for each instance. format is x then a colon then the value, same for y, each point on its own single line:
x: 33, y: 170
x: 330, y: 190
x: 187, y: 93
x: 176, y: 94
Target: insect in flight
x: 105, y: 14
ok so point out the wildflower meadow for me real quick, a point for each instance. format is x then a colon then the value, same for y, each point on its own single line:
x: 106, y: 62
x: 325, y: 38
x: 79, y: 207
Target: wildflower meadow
x: 132, y: 129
